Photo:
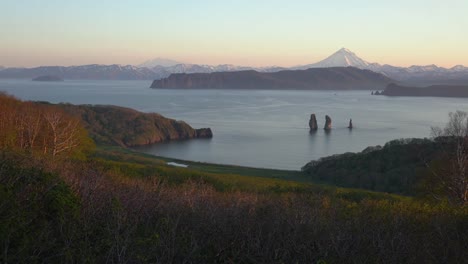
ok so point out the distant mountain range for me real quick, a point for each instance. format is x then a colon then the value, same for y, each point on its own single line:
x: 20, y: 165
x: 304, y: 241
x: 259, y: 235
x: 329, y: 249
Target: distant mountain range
x: 160, y: 68
x: 333, y: 78
x: 119, y: 72
x: 90, y: 72
x: 159, y: 62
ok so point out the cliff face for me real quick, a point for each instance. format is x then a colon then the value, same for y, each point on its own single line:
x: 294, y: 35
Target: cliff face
x: 435, y: 90
x: 127, y: 127
x: 338, y: 78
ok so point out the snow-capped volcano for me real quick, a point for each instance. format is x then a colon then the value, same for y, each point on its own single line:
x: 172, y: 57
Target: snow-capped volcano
x: 342, y: 58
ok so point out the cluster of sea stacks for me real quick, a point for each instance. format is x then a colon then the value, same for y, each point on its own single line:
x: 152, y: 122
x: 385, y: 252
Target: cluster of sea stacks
x: 328, y: 123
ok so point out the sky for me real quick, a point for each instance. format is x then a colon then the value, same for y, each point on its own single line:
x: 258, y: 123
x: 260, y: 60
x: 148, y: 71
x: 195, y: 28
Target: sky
x: 241, y: 32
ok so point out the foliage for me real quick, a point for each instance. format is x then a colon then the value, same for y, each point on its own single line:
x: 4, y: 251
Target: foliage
x: 450, y: 179
x: 113, y: 125
x: 395, y: 168
x: 43, y: 131
x: 148, y: 218
x: 38, y: 213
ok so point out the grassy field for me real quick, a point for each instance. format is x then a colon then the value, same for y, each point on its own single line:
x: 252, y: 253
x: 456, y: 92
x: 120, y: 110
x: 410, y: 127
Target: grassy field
x: 227, y: 177
x: 142, y: 158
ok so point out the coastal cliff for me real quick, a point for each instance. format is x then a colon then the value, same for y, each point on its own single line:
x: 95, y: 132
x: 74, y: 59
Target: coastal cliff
x: 435, y: 90
x: 113, y: 125
x: 335, y: 78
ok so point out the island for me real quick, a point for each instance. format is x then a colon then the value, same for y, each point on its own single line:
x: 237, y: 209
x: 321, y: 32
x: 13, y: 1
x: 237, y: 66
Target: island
x: 434, y: 90
x: 48, y: 78
x: 333, y: 78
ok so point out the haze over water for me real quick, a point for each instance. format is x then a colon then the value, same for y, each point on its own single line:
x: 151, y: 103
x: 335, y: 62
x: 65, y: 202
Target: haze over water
x: 262, y: 128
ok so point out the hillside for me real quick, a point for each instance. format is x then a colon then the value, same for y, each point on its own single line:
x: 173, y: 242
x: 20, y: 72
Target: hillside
x: 112, y: 205
x: 114, y: 125
x: 338, y: 78
x: 397, y: 167
x: 434, y: 90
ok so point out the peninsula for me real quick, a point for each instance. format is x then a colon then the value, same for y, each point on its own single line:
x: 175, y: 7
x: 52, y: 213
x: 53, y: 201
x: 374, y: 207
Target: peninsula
x: 434, y: 90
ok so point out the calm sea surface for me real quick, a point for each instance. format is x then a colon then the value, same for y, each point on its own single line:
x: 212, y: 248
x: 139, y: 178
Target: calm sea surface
x: 260, y: 128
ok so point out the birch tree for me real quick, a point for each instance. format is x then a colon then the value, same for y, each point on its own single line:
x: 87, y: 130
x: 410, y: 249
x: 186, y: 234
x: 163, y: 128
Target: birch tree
x: 452, y: 177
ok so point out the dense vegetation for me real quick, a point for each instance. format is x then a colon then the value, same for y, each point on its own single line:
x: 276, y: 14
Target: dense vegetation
x: 113, y: 125
x: 437, y: 167
x: 396, y: 167
x: 44, y: 131
x: 116, y: 206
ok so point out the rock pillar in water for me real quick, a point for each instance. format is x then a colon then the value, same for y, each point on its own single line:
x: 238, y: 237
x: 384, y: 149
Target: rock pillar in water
x: 328, y: 123
x: 350, y: 126
x: 313, y: 123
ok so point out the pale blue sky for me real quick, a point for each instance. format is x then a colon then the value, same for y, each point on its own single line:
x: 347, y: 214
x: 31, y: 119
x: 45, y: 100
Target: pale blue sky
x: 59, y: 32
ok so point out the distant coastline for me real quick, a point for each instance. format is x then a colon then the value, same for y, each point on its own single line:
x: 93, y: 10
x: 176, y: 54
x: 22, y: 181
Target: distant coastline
x: 48, y: 78
x: 434, y: 90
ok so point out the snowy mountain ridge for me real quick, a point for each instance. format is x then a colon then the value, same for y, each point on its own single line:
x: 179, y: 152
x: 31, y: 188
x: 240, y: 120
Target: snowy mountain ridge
x: 161, y: 68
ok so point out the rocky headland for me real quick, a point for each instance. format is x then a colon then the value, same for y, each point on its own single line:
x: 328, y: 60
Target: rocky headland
x: 114, y: 125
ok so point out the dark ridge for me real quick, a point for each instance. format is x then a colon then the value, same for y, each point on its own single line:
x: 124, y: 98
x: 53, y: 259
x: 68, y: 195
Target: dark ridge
x: 336, y: 78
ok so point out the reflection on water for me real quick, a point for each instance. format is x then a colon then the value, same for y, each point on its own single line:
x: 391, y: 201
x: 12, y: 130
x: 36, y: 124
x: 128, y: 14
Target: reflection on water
x: 259, y: 128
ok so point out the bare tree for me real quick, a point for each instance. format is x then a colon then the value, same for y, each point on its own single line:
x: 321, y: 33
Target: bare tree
x: 29, y: 122
x: 453, y: 178
x: 64, y: 131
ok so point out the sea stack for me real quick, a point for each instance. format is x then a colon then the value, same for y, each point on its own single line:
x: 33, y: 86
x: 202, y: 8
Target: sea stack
x: 350, y: 126
x: 328, y: 123
x: 313, y: 123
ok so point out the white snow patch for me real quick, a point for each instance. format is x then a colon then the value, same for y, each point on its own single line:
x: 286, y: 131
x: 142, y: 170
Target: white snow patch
x: 175, y: 164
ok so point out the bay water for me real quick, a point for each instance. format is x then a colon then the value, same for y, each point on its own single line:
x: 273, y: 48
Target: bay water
x: 258, y: 128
